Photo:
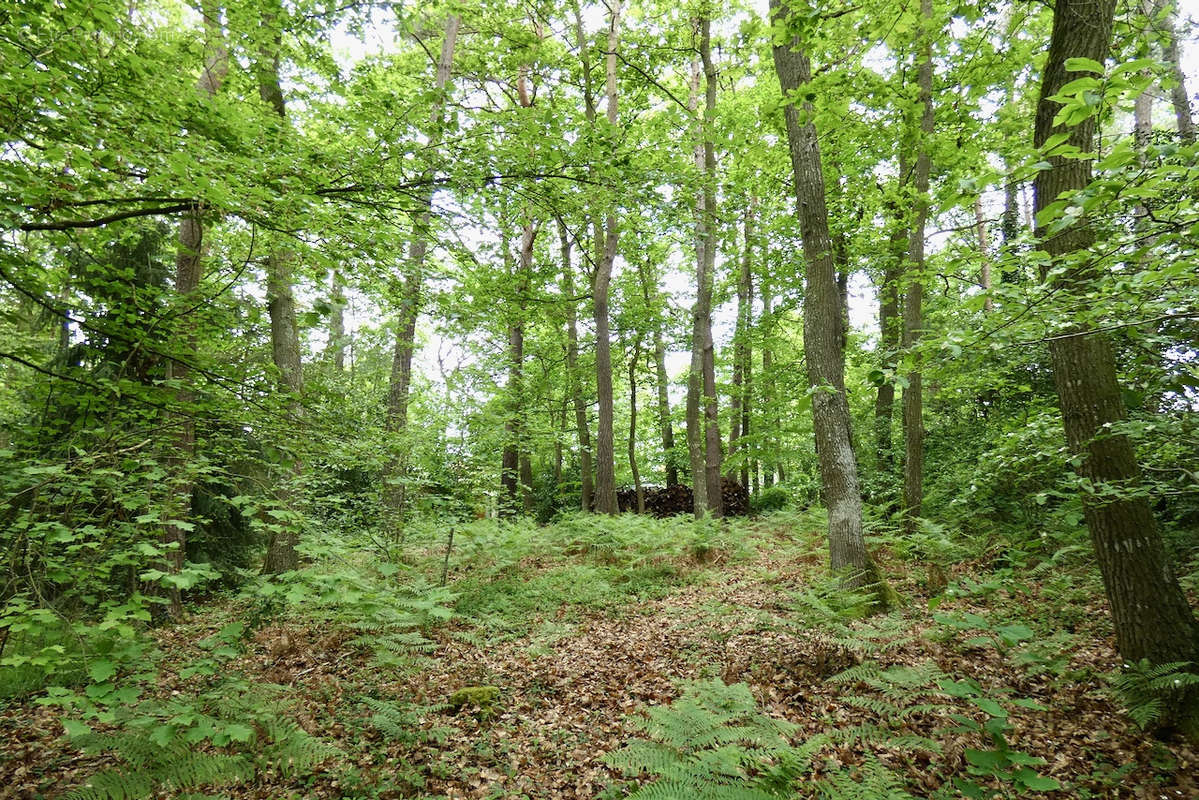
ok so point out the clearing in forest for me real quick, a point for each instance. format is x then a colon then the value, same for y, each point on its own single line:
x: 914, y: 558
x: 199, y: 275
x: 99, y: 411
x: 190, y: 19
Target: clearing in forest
x: 562, y: 637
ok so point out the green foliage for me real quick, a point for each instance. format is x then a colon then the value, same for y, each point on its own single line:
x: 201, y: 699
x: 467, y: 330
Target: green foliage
x: 869, y: 779
x: 772, y: 498
x: 222, y: 736
x: 711, y: 743
x: 1149, y: 692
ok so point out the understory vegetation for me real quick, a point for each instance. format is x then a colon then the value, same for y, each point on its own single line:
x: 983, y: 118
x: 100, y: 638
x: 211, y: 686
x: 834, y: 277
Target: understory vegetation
x: 658, y: 658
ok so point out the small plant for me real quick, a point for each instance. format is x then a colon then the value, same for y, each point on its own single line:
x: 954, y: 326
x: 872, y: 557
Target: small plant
x: 711, y: 744
x: 1000, y: 762
x: 1148, y: 692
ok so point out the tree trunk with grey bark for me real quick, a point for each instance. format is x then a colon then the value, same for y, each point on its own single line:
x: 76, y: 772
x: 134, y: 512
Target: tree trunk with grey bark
x: 822, y: 325
x: 1150, y: 612
x: 605, y: 450
x: 913, y: 311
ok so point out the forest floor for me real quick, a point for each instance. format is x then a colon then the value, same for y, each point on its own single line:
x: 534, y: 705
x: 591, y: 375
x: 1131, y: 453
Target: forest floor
x: 578, y: 641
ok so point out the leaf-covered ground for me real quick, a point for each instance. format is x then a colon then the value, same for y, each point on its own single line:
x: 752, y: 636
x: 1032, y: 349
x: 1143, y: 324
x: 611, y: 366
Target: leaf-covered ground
x: 571, y: 671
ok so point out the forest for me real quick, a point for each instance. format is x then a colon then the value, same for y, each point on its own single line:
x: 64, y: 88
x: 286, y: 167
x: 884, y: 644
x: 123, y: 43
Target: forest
x: 453, y: 399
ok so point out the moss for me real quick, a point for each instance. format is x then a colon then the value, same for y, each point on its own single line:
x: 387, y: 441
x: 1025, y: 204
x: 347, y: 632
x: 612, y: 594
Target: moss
x: 481, y: 697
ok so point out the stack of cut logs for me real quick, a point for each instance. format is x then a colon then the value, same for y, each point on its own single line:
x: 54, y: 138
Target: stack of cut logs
x: 667, y: 501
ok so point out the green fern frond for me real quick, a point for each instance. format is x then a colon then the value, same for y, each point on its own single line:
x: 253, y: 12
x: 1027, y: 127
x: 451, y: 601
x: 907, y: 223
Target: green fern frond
x: 869, y: 780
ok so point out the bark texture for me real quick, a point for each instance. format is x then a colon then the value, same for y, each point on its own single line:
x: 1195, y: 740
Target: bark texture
x: 703, y: 424
x: 605, y: 450
x: 653, y: 304
x: 1151, y: 615
x: 913, y: 303
x: 822, y: 325
x: 582, y: 429
x: 695, y: 376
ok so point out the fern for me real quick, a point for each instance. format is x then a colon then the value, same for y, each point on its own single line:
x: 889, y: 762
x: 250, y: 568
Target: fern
x: 869, y: 780
x: 711, y: 744
x: 400, y: 722
x: 1148, y: 690
x: 158, y: 754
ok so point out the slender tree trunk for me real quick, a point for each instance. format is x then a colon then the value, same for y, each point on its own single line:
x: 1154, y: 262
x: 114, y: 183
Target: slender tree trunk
x: 558, y: 451
x: 1151, y: 615
x: 572, y: 367
x: 516, y: 473
x: 742, y: 368
x: 772, y: 444
x: 913, y: 312
x: 663, y: 380
x: 695, y: 376
x: 337, y: 322
x: 712, y: 454
x: 984, y: 255
x: 1161, y: 15
x: 822, y: 324
x: 890, y: 326
x: 605, y: 474
x: 640, y: 492
x: 748, y: 465
x: 281, y: 553
x: 189, y: 269
x: 400, y: 383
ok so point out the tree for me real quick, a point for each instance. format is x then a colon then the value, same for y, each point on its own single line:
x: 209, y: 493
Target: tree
x: 281, y: 553
x: 582, y: 428
x: 189, y: 269
x: 703, y: 422
x: 822, y: 315
x: 605, y: 474
x: 1151, y: 615
x: 913, y: 314
x: 413, y: 286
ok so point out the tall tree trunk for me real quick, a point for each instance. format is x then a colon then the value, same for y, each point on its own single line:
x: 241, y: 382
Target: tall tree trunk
x: 1161, y: 15
x: 651, y: 299
x: 636, y: 356
x: 772, y: 444
x: 605, y: 451
x: 281, y: 553
x: 189, y: 269
x: 1151, y: 615
x: 572, y: 367
x: 400, y: 383
x: 822, y: 325
x: 748, y: 465
x: 337, y: 322
x: 516, y: 471
x: 742, y: 366
x: 913, y: 312
x: 695, y: 376
x: 711, y: 409
x: 890, y: 328
x: 984, y: 255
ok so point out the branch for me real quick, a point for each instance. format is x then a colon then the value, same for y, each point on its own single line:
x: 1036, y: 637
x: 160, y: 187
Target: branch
x: 72, y: 224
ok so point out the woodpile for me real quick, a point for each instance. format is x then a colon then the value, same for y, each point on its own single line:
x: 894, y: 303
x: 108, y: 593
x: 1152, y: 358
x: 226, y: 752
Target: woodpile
x: 668, y: 501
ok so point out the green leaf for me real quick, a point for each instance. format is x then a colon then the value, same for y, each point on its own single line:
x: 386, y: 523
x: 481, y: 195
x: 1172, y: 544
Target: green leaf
x: 986, y: 759
x: 239, y: 733
x: 989, y: 706
x: 1035, y: 782
x: 75, y: 728
x: 101, y: 670
x: 1084, y: 65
